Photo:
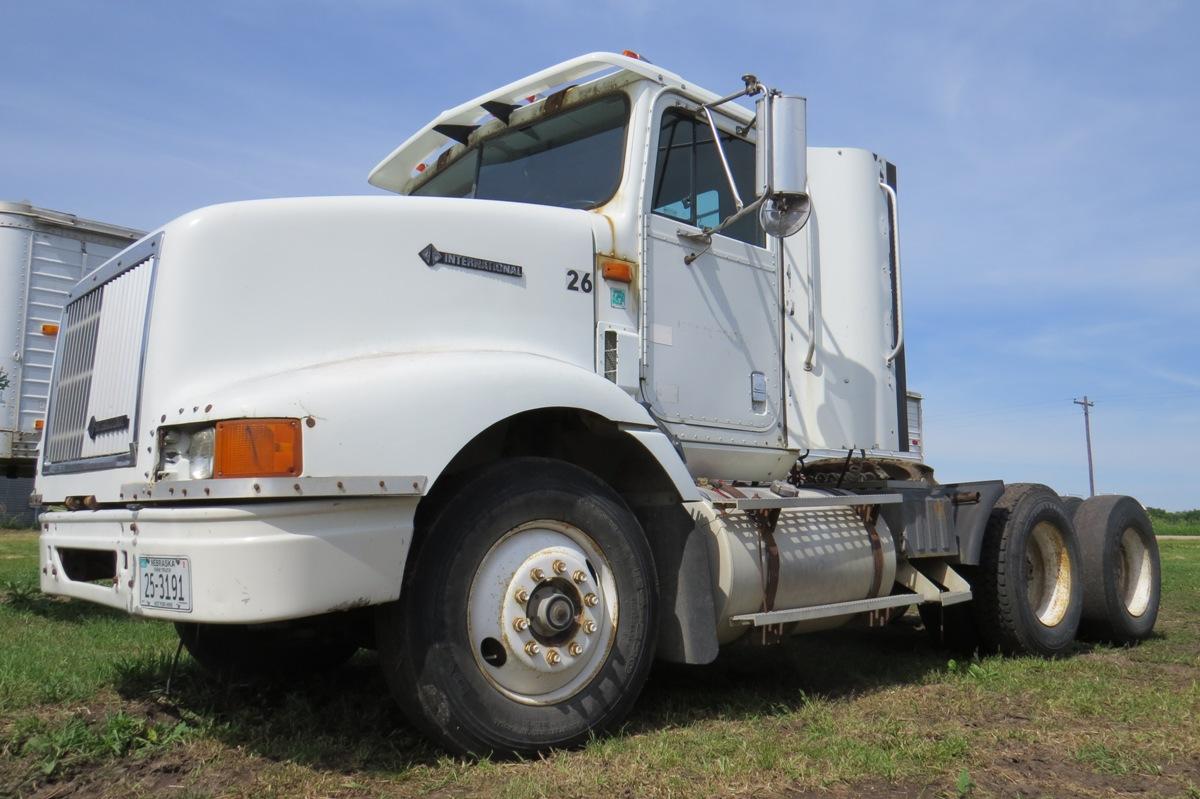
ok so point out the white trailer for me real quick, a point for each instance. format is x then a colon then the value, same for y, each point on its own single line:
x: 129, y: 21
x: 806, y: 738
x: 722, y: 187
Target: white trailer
x: 43, y: 255
x: 549, y: 413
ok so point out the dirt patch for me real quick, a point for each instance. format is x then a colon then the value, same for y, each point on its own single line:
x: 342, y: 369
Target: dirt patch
x: 1024, y: 771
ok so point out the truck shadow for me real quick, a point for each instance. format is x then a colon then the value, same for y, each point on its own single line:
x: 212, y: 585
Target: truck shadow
x: 346, y: 721
x: 756, y: 681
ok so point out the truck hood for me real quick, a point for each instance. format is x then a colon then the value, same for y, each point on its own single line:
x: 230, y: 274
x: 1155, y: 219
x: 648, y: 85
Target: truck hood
x: 254, y: 288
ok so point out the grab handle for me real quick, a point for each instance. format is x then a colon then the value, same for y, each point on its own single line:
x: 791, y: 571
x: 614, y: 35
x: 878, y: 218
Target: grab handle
x: 898, y: 301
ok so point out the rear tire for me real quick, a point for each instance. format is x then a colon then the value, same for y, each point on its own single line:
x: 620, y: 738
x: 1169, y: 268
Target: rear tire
x: 528, y: 614
x: 1028, y: 592
x: 1121, y: 570
x: 268, y: 651
x: 1071, y: 505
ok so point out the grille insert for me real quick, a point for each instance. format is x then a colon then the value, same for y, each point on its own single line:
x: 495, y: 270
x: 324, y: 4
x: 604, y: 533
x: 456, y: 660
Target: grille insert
x: 97, y: 382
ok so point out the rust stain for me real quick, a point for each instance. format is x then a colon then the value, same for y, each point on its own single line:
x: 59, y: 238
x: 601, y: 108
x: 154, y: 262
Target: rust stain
x: 555, y: 101
x: 869, y: 513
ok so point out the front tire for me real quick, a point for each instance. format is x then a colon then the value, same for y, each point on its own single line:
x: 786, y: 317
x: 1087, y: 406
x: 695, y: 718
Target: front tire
x: 1121, y: 570
x: 1028, y: 592
x: 528, y: 614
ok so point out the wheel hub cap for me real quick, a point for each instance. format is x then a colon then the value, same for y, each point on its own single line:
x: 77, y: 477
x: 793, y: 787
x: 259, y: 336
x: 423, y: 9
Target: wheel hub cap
x: 542, y: 612
x: 551, y: 612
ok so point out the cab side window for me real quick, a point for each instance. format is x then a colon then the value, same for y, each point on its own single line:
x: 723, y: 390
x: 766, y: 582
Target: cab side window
x: 689, y: 181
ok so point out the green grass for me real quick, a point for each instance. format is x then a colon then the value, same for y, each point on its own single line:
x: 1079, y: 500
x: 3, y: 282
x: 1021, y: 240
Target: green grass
x: 83, y: 709
x: 1185, y: 522
x: 56, y: 650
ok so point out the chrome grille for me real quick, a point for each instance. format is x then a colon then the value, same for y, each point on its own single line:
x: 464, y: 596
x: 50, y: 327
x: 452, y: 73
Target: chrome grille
x: 76, y: 356
x: 94, y: 399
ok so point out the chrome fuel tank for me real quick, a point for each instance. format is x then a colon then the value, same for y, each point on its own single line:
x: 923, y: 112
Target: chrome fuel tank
x: 791, y: 558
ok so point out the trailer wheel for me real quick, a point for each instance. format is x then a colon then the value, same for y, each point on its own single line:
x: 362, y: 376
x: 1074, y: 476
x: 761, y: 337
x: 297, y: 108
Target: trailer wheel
x: 267, y: 651
x: 528, y: 614
x: 1121, y: 569
x: 1028, y: 592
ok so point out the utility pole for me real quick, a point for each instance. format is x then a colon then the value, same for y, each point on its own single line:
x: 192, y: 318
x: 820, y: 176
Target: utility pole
x: 1087, y: 429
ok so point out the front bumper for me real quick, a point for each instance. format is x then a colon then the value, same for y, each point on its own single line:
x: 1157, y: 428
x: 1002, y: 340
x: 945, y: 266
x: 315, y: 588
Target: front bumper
x: 250, y: 563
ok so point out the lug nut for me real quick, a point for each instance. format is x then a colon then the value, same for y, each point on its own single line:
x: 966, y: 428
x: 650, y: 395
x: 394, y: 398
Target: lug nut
x: 575, y: 649
x: 559, y: 567
x: 589, y: 626
x: 520, y: 624
x: 531, y: 648
x: 521, y: 596
x: 552, y: 657
x: 590, y: 600
x: 579, y: 576
x: 538, y: 575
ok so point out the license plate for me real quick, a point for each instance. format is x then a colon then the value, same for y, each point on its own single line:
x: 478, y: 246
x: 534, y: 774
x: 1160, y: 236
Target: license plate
x: 165, y: 582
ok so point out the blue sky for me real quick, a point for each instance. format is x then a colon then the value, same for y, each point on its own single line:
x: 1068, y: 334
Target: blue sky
x: 1050, y: 192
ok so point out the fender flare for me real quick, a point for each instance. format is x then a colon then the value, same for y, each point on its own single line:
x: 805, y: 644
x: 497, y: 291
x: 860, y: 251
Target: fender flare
x: 359, y: 407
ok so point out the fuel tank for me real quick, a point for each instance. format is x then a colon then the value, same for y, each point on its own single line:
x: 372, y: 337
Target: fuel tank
x: 787, y: 558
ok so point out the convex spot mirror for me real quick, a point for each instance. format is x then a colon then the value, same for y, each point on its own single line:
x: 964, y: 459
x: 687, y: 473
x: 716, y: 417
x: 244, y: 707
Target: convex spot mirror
x: 781, y: 163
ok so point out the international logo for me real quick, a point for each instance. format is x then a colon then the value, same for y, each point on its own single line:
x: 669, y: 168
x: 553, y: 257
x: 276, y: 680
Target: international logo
x: 432, y: 256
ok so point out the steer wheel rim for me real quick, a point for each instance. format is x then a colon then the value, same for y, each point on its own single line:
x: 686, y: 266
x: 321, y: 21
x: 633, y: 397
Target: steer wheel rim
x: 1048, y: 574
x: 1134, y: 572
x: 542, y: 612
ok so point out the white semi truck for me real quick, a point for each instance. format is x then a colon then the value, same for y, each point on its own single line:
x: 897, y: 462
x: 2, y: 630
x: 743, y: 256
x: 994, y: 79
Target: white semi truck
x: 43, y: 254
x: 552, y: 412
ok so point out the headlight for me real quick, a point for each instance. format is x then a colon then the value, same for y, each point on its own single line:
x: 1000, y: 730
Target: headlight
x: 233, y: 448
x: 200, y: 453
x: 186, y: 453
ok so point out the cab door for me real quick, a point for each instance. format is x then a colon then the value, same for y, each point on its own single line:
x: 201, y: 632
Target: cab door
x: 713, y: 368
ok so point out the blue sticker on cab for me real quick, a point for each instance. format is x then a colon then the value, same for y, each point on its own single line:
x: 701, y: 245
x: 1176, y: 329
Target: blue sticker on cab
x: 617, y: 298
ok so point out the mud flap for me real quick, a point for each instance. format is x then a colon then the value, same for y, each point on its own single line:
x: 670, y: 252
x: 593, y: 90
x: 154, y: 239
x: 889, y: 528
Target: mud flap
x: 687, y: 629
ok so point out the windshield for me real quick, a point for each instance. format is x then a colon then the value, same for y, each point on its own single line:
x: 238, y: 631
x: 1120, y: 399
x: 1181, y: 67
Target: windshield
x: 571, y: 160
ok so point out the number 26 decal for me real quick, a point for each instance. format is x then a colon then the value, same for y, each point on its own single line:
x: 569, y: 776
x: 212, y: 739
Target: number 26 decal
x: 577, y: 282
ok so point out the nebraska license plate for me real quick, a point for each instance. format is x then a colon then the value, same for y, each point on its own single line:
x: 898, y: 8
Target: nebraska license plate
x: 165, y: 582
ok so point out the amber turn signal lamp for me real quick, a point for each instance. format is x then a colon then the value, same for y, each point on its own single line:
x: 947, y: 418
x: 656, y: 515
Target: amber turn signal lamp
x: 257, y: 448
x: 49, y: 329
x: 38, y: 424
x: 620, y: 271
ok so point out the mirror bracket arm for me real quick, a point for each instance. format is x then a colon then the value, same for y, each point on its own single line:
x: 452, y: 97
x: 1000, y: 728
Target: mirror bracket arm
x: 703, y: 239
x: 751, y: 88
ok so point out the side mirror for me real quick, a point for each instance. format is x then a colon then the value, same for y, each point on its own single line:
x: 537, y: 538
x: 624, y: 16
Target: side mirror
x: 781, y: 163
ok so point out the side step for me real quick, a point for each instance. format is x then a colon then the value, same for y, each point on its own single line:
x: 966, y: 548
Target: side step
x: 925, y: 591
x: 825, y: 611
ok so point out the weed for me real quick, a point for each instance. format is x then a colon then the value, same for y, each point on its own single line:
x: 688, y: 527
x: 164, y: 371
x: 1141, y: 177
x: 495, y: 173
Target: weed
x: 76, y: 743
x: 20, y: 593
x: 963, y: 785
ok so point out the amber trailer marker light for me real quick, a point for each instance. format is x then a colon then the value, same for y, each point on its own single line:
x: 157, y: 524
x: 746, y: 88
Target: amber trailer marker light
x: 258, y: 448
